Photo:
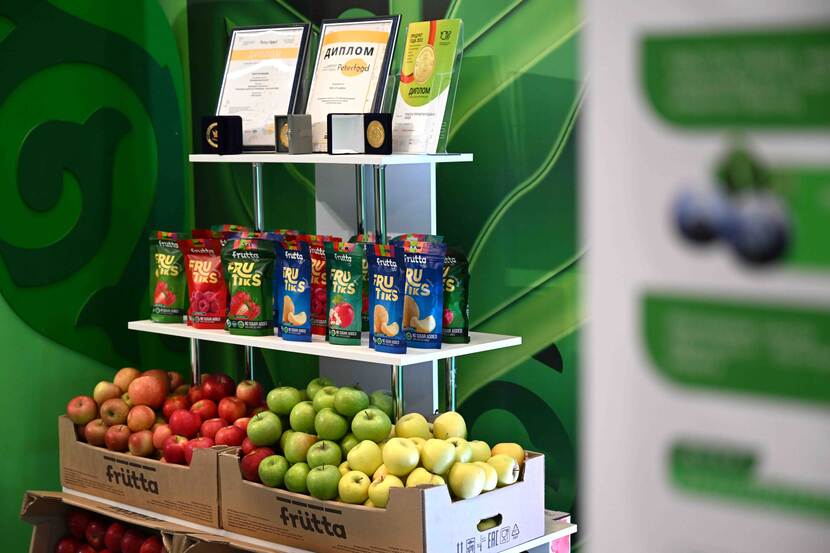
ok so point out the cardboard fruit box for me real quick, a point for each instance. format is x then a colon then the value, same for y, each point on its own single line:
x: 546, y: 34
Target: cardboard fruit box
x: 190, y: 492
x: 416, y: 520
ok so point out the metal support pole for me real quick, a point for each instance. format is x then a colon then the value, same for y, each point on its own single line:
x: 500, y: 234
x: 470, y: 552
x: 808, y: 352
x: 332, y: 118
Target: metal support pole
x: 380, y: 204
x: 360, y: 199
x: 450, y: 383
x: 397, y: 391
x: 259, y: 224
x: 195, y: 371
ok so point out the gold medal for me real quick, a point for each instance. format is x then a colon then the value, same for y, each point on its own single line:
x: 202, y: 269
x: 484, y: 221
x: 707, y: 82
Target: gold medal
x: 424, y: 64
x: 212, y: 135
x: 284, y: 135
x: 375, y: 134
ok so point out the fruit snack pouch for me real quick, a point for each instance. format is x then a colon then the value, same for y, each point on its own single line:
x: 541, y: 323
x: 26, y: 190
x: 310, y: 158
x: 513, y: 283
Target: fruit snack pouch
x: 387, y: 282
x: 271, y: 237
x: 367, y: 239
x: 417, y: 237
x: 456, y: 317
x: 423, y: 294
x: 207, y: 292
x: 294, y: 290
x: 249, y: 271
x: 345, y: 266
x: 229, y: 228
x: 319, y: 280
x: 167, y: 278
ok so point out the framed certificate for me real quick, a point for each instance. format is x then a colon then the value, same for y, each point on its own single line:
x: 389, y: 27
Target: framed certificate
x: 351, y: 70
x: 262, y: 78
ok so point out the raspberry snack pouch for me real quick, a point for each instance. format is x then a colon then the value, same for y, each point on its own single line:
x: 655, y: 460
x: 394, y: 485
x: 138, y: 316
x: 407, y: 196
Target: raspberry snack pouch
x: 367, y: 239
x: 387, y: 282
x: 319, y: 279
x: 167, y: 279
x: 249, y: 272
x: 206, y: 288
x: 456, y: 316
x: 417, y: 237
x: 423, y: 307
x: 345, y: 266
x: 294, y: 290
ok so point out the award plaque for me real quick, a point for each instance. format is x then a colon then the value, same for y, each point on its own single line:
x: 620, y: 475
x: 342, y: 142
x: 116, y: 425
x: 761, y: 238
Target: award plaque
x: 293, y: 133
x: 262, y: 78
x: 350, y: 73
x: 429, y: 73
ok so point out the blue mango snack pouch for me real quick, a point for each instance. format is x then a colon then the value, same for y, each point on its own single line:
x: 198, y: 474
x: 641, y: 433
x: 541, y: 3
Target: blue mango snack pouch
x: 387, y: 281
x: 249, y: 272
x: 294, y: 290
x: 456, y: 316
x: 423, y: 294
x: 345, y: 282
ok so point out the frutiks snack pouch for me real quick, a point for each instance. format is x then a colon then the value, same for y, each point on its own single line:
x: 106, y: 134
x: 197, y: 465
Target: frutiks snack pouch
x: 294, y: 290
x: 249, y: 272
x: 167, y: 278
x: 387, y: 280
x: 205, y: 283
x: 423, y: 294
x: 319, y: 294
x: 345, y: 292
x: 229, y: 228
x: 417, y: 237
x: 367, y: 239
x: 456, y: 319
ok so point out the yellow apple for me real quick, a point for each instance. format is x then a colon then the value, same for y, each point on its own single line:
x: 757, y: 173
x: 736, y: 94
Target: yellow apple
x: 449, y: 425
x: 344, y: 468
x: 463, y: 451
x: 506, y: 467
x: 466, y: 480
x: 368, y: 503
x: 365, y: 457
x: 413, y: 424
x: 400, y: 456
x: 491, y: 479
x: 514, y: 450
x: 421, y: 476
x: 437, y: 456
x: 379, y: 489
x: 354, y: 487
x: 481, y: 451
x: 419, y: 443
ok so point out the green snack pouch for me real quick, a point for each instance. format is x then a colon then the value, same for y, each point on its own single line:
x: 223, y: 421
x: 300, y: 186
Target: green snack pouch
x: 345, y: 262
x: 249, y: 272
x: 417, y: 237
x: 167, y: 278
x: 367, y: 239
x: 456, y: 328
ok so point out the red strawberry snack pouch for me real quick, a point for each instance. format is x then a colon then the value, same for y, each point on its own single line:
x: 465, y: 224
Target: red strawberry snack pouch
x: 205, y: 282
x: 249, y: 272
x: 167, y: 278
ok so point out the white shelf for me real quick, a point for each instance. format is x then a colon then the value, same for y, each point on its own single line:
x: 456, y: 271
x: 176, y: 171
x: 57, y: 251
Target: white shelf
x: 479, y: 342
x: 345, y: 159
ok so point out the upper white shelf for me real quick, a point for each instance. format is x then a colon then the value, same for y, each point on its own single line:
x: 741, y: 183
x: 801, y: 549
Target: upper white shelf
x: 344, y: 159
x: 479, y: 341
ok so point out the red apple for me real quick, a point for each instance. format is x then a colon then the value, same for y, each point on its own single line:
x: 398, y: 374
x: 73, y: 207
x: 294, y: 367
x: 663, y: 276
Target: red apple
x: 132, y: 540
x: 124, y: 377
x: 210, y: 427
x: 141, y: 417
x: 95, y: 532
x: 205, y: 408
x: 105, y: 390
x: 77, y: 521
x: 112, y: 539
x: 141, y: 443
x: 117, y: 437
x: 175, y: 379
x: 172, y: 403
x: 185, y: 423
x: 242, y: 423
x: 114, y: 411
x: 181, y: 390
x: 231, y: 408
x: 216, y: 386
x: 162, y: 376
x: 126, y: 398
x: 86, y: 548
x: 81, y: 409
x: 152, y: 544
x: 68, y: 545
x: 250, y: 463
x: 257, y: 410
x: 198, y: 443
x: 247, y: 446
x: 230, y: 435
x: 173, y: 449
x: 148, y: 390
x: 195, y: 393
x: 160, y: 435
x: 94, y: 433
x: 250, y: 391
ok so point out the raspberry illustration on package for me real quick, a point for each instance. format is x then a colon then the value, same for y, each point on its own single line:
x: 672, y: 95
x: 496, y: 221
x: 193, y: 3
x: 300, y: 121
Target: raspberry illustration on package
x: 387, y: 280
x: 423, y: 310
x: 345, y: 309
x: 205, y: 282
x: 294, y: 290
x: 167, y: 278
x: 249, y: 271
x: 456, y: 317
x: 319, y: 280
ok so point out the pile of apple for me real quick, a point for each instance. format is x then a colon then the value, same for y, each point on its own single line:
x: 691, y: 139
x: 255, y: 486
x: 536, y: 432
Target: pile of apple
x: 340, y: 444
x: 90, y: 533
x: 155, y: 414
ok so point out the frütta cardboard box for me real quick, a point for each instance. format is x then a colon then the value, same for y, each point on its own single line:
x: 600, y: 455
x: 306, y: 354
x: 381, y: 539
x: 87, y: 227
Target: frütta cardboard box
x: 416, y: 520
x: 190, y: 492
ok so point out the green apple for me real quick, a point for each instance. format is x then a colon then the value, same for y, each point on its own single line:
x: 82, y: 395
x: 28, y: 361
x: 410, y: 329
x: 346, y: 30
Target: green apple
x: 295, y: 478
x: 272, y: 470
x: 329, y: 425
x: 324, y: 398
x: 421, y: 476
x: 413, y: 424
x: 466, y: 480
x: 324, y: 452
x: 354, y: 487
x: 316, y: 385
x: 322, y: 482
x: 297, y: 446
x: 507, y: 469
x: 383, y: 401
x: 348, y: 442
x: 301, y: 417
x: 400, y: 456
x: 264, y: 428
x: 284, y: 439
x: 304, y: 396
x: 449, y: 425
x: 481, y: 451
x: 419, y: 443
x: 371, y: 424
x: 350, y: 401
x: 380, y: 473
x: 344, y: 468
x: 463, y: 451
x: 281, y: 400
x: 379, y: 489
x: 437, y: 456
x: 365, y: 457
x: 491, y: 479
x: 514, y: 450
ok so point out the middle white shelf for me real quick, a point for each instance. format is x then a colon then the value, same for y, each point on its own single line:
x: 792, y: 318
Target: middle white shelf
x: 479, y: 342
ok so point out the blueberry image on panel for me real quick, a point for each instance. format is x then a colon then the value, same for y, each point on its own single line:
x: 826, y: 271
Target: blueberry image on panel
x: 700, y: 214
x: 759, y: 229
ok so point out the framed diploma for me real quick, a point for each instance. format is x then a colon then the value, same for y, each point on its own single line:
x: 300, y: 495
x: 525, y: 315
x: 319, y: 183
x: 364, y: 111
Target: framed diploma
x: 262, y: 78
x: 351, y: 70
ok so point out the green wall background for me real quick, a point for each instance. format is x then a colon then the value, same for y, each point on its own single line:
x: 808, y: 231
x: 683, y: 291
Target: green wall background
x: 97, y: 123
